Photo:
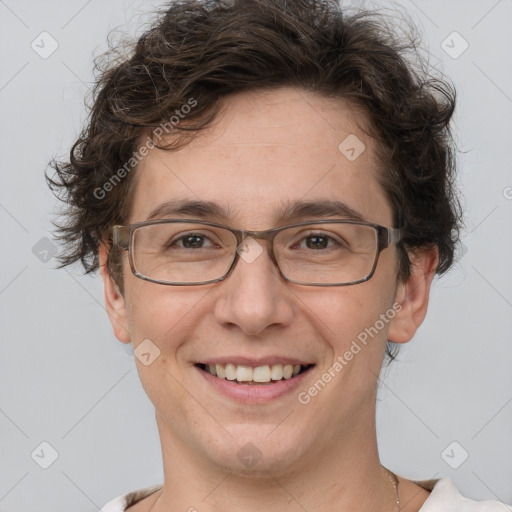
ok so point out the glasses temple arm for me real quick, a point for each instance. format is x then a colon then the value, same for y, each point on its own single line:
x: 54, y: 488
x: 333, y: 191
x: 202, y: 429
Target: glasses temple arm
x: 394, y: 235
x: 121, y: 237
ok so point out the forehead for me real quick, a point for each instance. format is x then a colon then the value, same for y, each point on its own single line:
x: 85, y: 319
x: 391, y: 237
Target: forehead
x: 265, y: 151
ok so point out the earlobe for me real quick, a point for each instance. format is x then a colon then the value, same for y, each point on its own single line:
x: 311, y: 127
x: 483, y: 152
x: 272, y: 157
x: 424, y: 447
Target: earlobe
x: 413, y: 295
x: 114, y: 301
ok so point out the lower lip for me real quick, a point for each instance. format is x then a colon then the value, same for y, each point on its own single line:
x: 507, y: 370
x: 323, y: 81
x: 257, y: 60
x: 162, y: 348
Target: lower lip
x: 254, y: 393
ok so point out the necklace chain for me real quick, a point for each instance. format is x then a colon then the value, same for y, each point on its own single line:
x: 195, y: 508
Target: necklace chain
x: 393, y: 478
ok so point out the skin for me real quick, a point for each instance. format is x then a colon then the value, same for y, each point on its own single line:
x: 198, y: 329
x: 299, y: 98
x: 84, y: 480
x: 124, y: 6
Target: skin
x: 266, y: 148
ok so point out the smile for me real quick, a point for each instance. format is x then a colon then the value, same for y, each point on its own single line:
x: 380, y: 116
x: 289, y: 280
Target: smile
x: 245, y: 374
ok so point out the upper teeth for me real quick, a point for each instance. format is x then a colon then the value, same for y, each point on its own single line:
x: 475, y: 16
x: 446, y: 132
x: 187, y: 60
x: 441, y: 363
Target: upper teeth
x: 243, y: 373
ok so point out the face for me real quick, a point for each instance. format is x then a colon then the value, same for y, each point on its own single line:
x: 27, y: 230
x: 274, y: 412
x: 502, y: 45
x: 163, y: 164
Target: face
x: 267, y: 150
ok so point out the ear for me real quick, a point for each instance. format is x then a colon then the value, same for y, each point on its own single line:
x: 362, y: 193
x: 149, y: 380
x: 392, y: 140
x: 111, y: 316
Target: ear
x: 114, y: 300
x: 413, y: 295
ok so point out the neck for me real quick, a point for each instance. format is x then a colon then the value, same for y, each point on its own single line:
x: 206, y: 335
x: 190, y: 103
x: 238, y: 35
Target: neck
x: 193, y: 482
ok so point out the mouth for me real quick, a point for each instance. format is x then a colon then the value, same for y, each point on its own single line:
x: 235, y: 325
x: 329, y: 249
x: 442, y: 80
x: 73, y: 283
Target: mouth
x: 254, y: 375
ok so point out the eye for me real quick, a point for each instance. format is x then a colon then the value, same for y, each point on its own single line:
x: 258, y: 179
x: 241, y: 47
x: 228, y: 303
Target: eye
x: 191, y: 241
x: 318, y: 242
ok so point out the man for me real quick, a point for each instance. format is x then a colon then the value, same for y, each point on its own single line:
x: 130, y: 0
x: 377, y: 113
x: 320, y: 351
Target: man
x: 266, y: 187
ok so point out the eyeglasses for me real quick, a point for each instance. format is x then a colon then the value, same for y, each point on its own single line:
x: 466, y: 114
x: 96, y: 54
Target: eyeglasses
x: 185, y: 252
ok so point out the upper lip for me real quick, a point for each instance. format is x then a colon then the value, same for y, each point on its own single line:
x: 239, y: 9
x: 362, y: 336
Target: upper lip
x: 255, y: 361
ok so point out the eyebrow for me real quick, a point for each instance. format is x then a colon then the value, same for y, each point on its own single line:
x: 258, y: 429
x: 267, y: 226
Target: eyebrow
x: 291, y: 211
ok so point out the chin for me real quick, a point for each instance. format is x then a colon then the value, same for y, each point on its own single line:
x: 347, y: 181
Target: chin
x: 256, y: 450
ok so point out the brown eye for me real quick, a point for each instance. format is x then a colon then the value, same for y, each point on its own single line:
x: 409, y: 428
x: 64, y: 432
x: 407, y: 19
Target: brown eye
x: 317, y: 242
x: 192, y: 241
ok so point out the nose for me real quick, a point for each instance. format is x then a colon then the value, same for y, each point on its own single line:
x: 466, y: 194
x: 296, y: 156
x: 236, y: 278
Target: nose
x: 254, y: 296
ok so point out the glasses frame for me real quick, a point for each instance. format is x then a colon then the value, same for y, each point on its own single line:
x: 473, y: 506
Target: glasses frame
x: 123, y: 238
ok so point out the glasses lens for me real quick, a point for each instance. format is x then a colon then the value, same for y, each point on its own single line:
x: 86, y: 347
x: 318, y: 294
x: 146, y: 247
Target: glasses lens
x: 327, y: 253
x: 182, y: 252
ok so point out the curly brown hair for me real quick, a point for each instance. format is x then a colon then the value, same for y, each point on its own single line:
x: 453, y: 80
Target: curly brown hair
x: 198, y: 52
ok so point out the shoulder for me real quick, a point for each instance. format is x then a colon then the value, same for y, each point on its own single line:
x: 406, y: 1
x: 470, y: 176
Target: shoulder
x: 123, y: 502
x: 445, y: 497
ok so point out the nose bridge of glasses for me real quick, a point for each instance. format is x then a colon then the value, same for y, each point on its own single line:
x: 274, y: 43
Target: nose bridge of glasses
x: 244, y: 235
x: 267, y: 235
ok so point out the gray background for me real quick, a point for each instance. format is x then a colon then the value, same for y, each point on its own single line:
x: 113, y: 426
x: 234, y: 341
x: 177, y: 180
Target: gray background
x: 67, y: 381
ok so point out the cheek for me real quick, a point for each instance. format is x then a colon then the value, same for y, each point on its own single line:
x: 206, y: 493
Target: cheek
x: 354, y: 320
x: 340, y: 314
x: 166, y: 315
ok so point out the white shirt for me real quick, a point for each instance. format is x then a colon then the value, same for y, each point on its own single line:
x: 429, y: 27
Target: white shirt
x: 444, y: 497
